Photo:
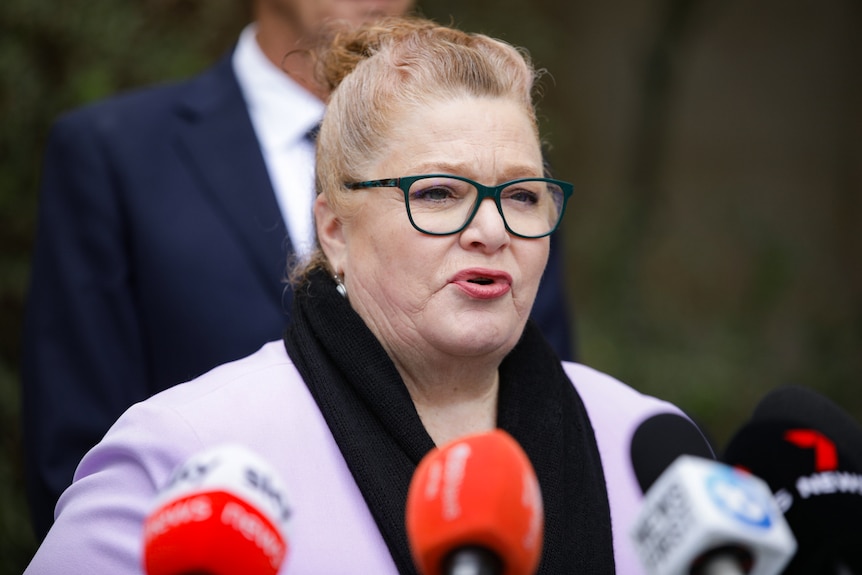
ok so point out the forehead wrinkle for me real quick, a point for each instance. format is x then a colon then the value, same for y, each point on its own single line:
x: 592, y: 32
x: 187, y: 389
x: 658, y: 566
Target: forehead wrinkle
x: 467, y: 170
x: 462, y: 147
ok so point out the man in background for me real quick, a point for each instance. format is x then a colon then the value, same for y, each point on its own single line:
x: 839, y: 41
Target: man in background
x: 166, y: 218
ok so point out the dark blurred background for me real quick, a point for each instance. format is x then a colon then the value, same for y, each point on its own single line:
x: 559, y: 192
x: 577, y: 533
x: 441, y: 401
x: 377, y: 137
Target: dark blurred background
x: 714, y: 245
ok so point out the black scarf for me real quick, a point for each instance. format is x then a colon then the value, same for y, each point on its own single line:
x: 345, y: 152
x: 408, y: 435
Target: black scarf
x: 376, y: 426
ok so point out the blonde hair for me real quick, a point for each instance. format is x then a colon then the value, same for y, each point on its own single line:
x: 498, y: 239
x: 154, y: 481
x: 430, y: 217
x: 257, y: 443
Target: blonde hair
x: 382, y: 70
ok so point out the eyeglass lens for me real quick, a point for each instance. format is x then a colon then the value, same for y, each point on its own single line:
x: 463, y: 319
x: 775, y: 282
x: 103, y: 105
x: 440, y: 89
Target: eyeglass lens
x: 440, y: 205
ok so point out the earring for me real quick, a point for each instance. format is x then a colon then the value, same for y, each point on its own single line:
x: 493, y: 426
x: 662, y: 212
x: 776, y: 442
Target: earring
x: 339, y: 286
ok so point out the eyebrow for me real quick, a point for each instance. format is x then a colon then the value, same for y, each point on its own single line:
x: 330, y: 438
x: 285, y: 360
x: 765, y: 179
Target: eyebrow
x: 512, y: 173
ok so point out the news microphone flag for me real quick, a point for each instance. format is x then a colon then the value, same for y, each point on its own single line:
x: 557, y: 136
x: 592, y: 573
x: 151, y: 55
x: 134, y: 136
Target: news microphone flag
x: 809, y: 452
x: 478, y: 493
x: 223, y: 512
x: 701, y: 512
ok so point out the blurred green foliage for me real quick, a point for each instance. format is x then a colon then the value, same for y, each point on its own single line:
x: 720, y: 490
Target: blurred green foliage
x: 713, y: 246
x: 55, y: 56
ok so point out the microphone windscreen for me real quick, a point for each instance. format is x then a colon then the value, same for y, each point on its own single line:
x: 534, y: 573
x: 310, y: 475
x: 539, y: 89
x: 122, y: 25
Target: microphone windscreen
x: 805, y: 407
x: 224, y: 512
x: 479, y: 491
x: 702, y: 516
x: 659, y: 441
x: 807, y: 450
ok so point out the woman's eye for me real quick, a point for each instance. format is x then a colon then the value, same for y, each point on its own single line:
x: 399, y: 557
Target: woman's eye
x: 522, y: 196
x: 435, y: 194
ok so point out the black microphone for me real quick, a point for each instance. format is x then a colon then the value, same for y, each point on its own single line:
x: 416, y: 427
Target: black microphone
x: 659, y: 440
x: 809, y: 452
x: 700, y: 516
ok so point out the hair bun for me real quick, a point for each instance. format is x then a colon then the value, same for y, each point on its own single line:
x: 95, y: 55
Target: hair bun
x: 344, y: 46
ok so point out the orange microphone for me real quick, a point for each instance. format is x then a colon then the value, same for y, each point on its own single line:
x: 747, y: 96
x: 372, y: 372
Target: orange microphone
x: 224, y: 512
x: 474, y: 507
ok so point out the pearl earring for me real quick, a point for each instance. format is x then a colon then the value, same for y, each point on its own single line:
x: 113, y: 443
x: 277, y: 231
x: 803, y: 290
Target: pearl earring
x: 339, y: 286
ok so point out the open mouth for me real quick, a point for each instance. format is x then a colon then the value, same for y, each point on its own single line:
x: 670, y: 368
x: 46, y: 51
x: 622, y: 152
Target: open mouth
x: 482, y: 283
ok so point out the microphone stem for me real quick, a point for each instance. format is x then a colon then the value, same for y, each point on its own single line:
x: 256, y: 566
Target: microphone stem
x: 722, y: 565
x: 472, y: 561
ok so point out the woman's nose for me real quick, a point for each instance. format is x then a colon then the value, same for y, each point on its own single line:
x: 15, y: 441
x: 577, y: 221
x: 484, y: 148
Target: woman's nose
x: 487, y: 227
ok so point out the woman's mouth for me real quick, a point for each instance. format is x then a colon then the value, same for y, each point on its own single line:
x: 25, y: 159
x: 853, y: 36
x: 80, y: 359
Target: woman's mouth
x: 483, y: 284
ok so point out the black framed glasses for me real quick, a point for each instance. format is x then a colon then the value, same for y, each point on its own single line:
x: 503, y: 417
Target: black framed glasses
x: 442, y: 204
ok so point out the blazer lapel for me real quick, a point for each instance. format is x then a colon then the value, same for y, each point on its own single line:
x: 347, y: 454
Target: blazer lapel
x: 222, y: 148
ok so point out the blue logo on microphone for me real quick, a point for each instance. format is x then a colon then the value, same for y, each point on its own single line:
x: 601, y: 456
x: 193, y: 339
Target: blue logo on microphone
x: 733, y: 493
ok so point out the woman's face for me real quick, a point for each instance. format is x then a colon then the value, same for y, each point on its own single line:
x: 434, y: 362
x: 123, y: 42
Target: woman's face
x: 430, y: 294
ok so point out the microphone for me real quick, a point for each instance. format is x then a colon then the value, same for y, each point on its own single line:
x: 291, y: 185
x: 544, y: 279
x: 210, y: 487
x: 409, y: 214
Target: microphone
x: 223, y: 512
x: 809, y: 452
x: 807, y: 408
x: 704, y: 517
x: 474, y: 507
x: 659, y: 440
x: 699, y: 516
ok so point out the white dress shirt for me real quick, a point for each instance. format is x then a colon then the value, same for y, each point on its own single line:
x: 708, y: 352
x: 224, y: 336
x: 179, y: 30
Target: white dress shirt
x: 282, y: 112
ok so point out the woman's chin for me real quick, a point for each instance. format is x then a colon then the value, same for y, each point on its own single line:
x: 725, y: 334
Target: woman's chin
x: 474, y: 338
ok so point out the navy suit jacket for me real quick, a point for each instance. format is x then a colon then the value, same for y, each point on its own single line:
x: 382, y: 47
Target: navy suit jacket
x: 160, y: 254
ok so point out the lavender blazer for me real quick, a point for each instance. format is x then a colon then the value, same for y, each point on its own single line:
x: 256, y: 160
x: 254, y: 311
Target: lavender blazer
x: 262, y: 402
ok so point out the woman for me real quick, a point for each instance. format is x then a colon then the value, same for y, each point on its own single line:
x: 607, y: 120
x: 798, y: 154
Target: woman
x: 410, y: 329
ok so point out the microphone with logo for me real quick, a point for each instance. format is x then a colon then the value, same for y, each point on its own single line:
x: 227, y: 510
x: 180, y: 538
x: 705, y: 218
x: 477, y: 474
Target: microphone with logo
x: 474, y: 507
x: 809, y: 452
x: 701, y: 517
x: 223, y: 512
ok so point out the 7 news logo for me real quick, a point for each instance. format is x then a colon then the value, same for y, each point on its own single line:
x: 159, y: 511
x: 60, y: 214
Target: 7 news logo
x: 827, y: 479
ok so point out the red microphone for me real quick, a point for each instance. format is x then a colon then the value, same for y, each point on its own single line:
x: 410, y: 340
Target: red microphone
x: 224, y: 512
x: 474, y: 506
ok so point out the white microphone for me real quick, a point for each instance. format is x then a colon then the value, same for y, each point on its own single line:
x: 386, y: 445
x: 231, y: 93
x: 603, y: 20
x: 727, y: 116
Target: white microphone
x: 223, y: 512
x: 702, y: 517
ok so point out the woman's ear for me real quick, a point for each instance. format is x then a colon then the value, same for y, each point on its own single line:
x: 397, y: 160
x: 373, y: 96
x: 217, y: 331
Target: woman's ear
x: 330, y: 233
